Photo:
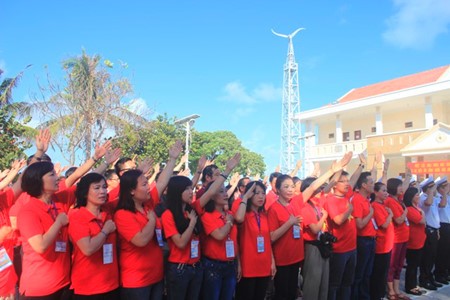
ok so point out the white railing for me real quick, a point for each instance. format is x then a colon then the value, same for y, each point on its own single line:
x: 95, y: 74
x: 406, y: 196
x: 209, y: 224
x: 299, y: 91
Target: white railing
x: 333, y: 150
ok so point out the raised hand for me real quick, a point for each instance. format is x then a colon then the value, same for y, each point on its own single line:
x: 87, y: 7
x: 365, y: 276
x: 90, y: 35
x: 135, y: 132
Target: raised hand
x: 146, y: 165
x: 112, y: 155
x: 43, y: 140
x: 233, y: 162
x: 100, y: 151
x: 249, y: 194
x: 176, y: 149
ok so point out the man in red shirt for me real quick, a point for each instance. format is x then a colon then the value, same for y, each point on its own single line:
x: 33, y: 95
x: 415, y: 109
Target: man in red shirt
x: 209, y: 174
x: 342, y: 225
x: 366, y: 234
x: 272, y: 196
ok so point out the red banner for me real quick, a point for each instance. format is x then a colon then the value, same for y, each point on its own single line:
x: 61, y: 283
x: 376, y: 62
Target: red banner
x: 430, y: 167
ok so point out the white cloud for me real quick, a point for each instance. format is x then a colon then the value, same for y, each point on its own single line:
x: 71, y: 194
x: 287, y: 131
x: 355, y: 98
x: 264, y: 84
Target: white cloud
x: 139, y: 106
x: 235, y: 92
x: 417, y: 23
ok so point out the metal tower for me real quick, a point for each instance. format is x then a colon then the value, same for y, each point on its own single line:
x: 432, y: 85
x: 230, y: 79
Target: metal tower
x: 291, y: 143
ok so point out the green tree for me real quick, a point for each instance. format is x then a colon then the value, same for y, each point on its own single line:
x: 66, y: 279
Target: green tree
x: 89, y: 107
x: 13, y: 134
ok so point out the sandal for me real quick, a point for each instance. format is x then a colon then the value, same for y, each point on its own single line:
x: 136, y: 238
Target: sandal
x: 403, y: 297
x: 415, y: 292
x: 392, y: 296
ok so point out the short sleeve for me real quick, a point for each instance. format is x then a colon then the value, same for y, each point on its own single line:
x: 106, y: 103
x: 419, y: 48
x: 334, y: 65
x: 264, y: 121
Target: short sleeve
x: 127, y: 224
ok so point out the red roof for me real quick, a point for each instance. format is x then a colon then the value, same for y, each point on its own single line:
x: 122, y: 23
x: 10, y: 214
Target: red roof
x: 394, y: 84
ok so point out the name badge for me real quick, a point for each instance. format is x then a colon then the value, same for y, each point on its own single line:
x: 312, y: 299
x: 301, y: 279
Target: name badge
x: 229, y: 247
x: 5, y: 261
x: 260, y: 244
x: 159, y: 237
x: 374, y: 224
x: 194, y: 248
x: 406, y: 221
x: 107, y: 254
x: 60, y: 246
x: 296, y: 231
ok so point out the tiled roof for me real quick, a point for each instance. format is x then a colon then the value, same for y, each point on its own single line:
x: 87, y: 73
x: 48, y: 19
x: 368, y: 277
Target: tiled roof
x: 394, y: 84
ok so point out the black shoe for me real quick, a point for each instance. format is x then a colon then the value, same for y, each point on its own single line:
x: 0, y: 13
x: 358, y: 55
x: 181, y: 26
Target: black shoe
x: 438, y: 285
x: 414, y: 291
x: 441, y: 280
x: 428, y: 286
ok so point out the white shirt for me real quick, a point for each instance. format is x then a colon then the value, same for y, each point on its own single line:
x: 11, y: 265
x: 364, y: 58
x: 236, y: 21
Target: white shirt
x: 444, y: 212
x: 432, y: 211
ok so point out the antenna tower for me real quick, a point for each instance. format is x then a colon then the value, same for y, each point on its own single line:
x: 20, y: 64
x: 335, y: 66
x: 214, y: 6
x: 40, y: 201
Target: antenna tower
x: 291, y: 143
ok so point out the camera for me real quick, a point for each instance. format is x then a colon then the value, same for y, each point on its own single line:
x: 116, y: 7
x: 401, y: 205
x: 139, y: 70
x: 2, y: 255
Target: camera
x: 327, y: 238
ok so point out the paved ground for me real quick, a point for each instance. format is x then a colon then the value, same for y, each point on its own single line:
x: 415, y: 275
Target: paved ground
x: 442, y: 293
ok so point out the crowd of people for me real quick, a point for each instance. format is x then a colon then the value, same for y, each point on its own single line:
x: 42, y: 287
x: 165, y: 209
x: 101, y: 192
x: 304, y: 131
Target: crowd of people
x: 133, y: 231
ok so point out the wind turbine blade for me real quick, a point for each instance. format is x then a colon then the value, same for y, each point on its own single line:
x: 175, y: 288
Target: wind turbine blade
x: 279, y: 34
x: 295, y: 32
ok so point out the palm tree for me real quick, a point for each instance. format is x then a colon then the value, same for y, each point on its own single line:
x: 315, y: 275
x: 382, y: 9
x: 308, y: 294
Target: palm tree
x: 89, y: 106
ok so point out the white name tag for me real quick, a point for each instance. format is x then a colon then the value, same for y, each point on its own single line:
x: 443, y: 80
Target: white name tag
x: 406, y: 221
x: 374, y: 224
x: 194, y: 248
x: 229, y: 247
x: 107, y: 254
x: 296, y: 231
x: 5, y: 261
x: 159, y: 237
x: 260, y: 244
x: 60, y: 246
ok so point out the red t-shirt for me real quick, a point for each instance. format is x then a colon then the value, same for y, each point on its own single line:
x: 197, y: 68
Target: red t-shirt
x: 361, y: 208
x: 402, y: 230
x: 385, y: 237
x: 139, y: 266
x: 346, y: 232
x: 212, y: 248
x: 8, y: 277
x: 90, y: 275
x: 287, y: 250
x: 46, y: 273
x: 311, y: 215
x: 271, y: 197
x: 254, y: 263
x: 178, y: 255
x: 417, y: 235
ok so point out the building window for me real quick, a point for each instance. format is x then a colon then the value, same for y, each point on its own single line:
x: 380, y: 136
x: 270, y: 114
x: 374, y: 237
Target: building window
x: 374, y: 129
x: 357, y: 134
x: 408, y: 124
x: 331, y: 135
x: 346, y: 136
x: 435, y: 121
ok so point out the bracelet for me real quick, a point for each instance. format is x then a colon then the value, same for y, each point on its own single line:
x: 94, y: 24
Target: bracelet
x: 242, y: 202
x: 224, y: 176
x: 104, y: 233
x: 95, y: 160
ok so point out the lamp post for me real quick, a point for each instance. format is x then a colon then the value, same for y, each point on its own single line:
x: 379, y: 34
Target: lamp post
x: 188, y: 122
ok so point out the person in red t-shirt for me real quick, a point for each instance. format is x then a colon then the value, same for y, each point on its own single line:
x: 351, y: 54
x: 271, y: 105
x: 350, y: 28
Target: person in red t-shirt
x: 342, y: 225
x: 401, y: 230
x: 272, y: 195
x: 384, y: 242
x: 220, y: 251
x: 184, y: 274
x: 417, y: 237
x: 95, y: 271
x: 141, y: 257
x: 43, y: 226
x: 287, y: 241
x: 258, y: 264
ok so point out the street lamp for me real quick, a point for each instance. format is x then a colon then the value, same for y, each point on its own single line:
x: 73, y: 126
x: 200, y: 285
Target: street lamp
x: 188, y: 122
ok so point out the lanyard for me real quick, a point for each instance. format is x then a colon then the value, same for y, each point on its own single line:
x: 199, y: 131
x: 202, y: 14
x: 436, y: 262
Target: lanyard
x: 222, y: 217
x: 258, y: 220
x: 53, y: 211
x: 318, y: 215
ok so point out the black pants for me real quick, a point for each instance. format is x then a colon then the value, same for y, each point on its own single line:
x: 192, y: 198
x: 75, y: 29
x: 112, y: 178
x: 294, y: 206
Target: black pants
x: 378, y: 279
x: 252, y: 288
x: 428, y: 256
x: 62, y: 294
x: 442, y: 265
x: 413, y: 258
x: 112, y: 295
x: 286, y: 282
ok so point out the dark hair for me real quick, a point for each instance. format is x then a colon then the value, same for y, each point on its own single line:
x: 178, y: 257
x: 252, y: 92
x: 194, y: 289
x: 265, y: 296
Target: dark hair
x: 70, y: 171
x: 210, y: 206
x: 32, y: 177
x: 249, y: 201
x: 83, y: 187
x: 362, y: 179
x: 274, y: 175
x: 392, y: 186
x: 409, y: 196
x: 175, y: 188
x: 119, y: 164
x: 280, y: 180
x: 427, y: 186
x: 44, y: 157
x: 242, y: 181
x: 376, y: 188
x: 109, y: 173
x: 296, y: 179
x: 208, y: 171
x: 306, y: 183
x: 128, y: 182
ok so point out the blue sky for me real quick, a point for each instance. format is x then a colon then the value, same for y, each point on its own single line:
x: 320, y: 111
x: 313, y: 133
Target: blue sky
x: 220, y: 60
